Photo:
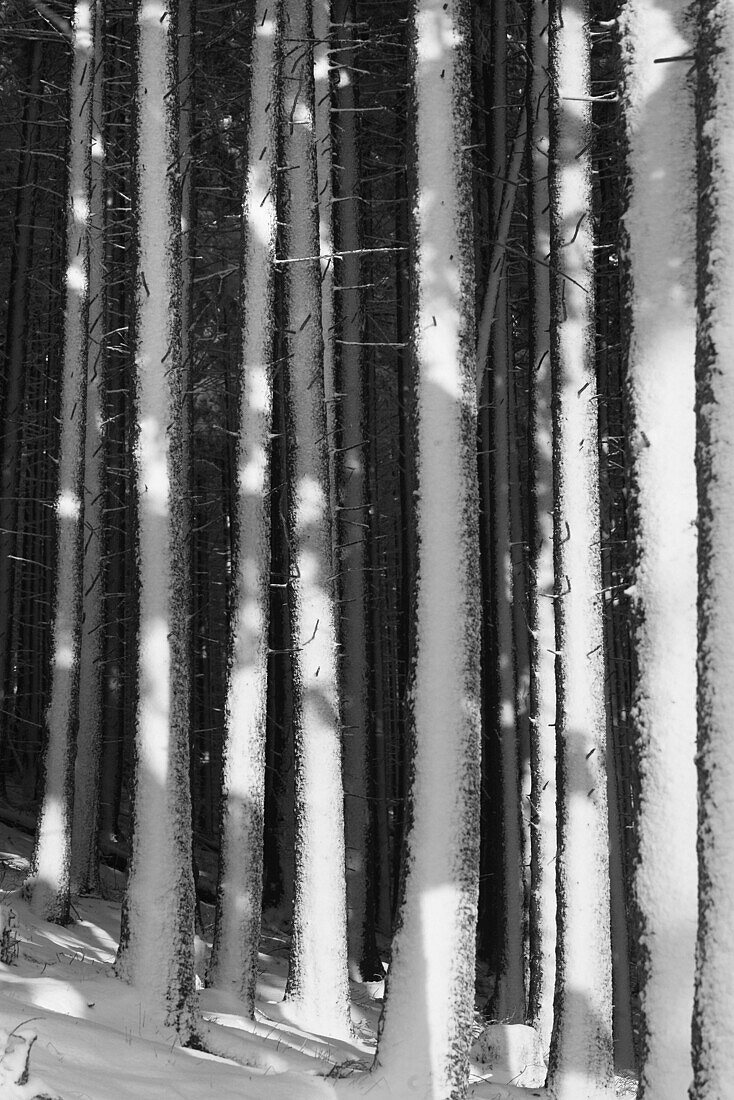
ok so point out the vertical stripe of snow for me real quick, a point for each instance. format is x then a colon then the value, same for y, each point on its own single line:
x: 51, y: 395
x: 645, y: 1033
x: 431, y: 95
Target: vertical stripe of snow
x: 156, y: 949
x: 581, y: 1064
x: 50, y: 883
x: 84, y: 854
x: 541, y: 618
x: 713, y: 1049
x: 353, y: 521
x: 659, y: 224
x: 318, y: 988
x: 239, y: 901
x: 426, y: 1026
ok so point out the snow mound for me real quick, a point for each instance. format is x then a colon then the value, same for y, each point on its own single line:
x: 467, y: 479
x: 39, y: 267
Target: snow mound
x: 16, y: 1080
x: 513, y: 1053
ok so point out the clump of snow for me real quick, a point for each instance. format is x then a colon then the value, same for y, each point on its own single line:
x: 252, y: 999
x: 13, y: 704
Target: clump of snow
x: 16, y: 1079
x: 513, y: 1052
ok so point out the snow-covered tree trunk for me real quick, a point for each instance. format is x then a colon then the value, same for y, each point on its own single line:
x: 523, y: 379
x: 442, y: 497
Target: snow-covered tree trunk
x: 239, y: 900
x: 84, y: 853
x: 322, y: 69
x: 425, y: 1030
x: 318, y: 988
x: 157, y: 939
x: 659, y: 225
x: 541, y: 619
x: 49, y: 885
x: 353, y: 526
x: 713, y: 1050
x: 581, y: 1062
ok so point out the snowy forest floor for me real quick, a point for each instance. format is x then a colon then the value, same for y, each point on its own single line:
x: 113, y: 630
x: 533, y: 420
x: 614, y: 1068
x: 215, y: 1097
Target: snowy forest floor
x: 96, y: 1041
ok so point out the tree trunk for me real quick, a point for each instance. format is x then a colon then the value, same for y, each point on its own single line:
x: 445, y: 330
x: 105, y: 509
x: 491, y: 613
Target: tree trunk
x: 425, y: 1031
x: 541, y: 618
x: 659, y: 225
x: 353, y: 526
x: 84, y: 853
x: 317, y: 987
x: 713, y: 1050
x: 49, y: 886
x: 508, y: 1002
x: 157, y: 939
x: 581, y: 1061
x: 11, y: 407
x: 239, y: 898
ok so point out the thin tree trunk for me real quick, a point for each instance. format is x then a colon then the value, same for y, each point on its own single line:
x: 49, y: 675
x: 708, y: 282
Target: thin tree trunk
x: 713, y: 1050
x: 353, y: 526
x: 541, y: 617
x: 425, y: 1031
x: 157, y: 939
x: 659, y: 223
x: 15, y: 381
x: 84, y: 853
x: 239, y: 897
x: 49, y: 886
x: 581, y: 1058
x: 317, y: 988
x: 508, y: 1001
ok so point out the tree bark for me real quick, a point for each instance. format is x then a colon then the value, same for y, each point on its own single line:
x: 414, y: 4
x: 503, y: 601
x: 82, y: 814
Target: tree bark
x: 85, y: 821
x: 425, y: 1031
x: 659, y: 226
x: 157, y: 940
x: 317, y: 988
x: 239, y: 896
x: 541, y: 618
x: 713, y: 1051
x: 581, y: 1061
x: 49, y: 886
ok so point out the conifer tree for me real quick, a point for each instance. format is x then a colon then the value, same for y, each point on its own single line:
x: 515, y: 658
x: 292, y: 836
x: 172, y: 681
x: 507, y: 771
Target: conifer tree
x: 239, y: 900
x: 659, y: 223
x: 425, y: 1030
x: 49, y: 886
x: 318, y: 988
x: 581, y: 1062
x: 156, y: 951
x: 713, y: 1051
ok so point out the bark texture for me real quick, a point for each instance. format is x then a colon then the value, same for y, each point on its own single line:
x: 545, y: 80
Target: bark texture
x: 713, y: 1050
x: 157, y: 940
x: 425, y: 1030
x: 581, y: 1061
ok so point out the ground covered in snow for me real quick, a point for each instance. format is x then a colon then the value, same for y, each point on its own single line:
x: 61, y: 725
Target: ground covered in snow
x: 95, y: 1040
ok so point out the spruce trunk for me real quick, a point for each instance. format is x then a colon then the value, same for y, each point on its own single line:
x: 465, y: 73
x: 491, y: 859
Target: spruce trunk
x: 581, y: 1062
x: 239, y: 898
x: 157, y: 939
x: 425, y: 1031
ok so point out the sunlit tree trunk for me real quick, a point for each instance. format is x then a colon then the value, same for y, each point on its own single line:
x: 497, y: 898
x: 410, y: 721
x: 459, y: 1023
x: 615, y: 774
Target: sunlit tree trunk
x: 84, y: 854
x: 581, y: 1063
x: 237, y: 935
x: 713, y: 1050
x: 157, y: 938
x: 541, y: 619
x: 425, y: 1030
x: 659, y: 225
x: 49, y: 885
x: 317, y: 988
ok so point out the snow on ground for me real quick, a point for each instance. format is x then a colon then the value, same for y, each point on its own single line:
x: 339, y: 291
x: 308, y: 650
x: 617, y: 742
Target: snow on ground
x: 96, y: 1041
